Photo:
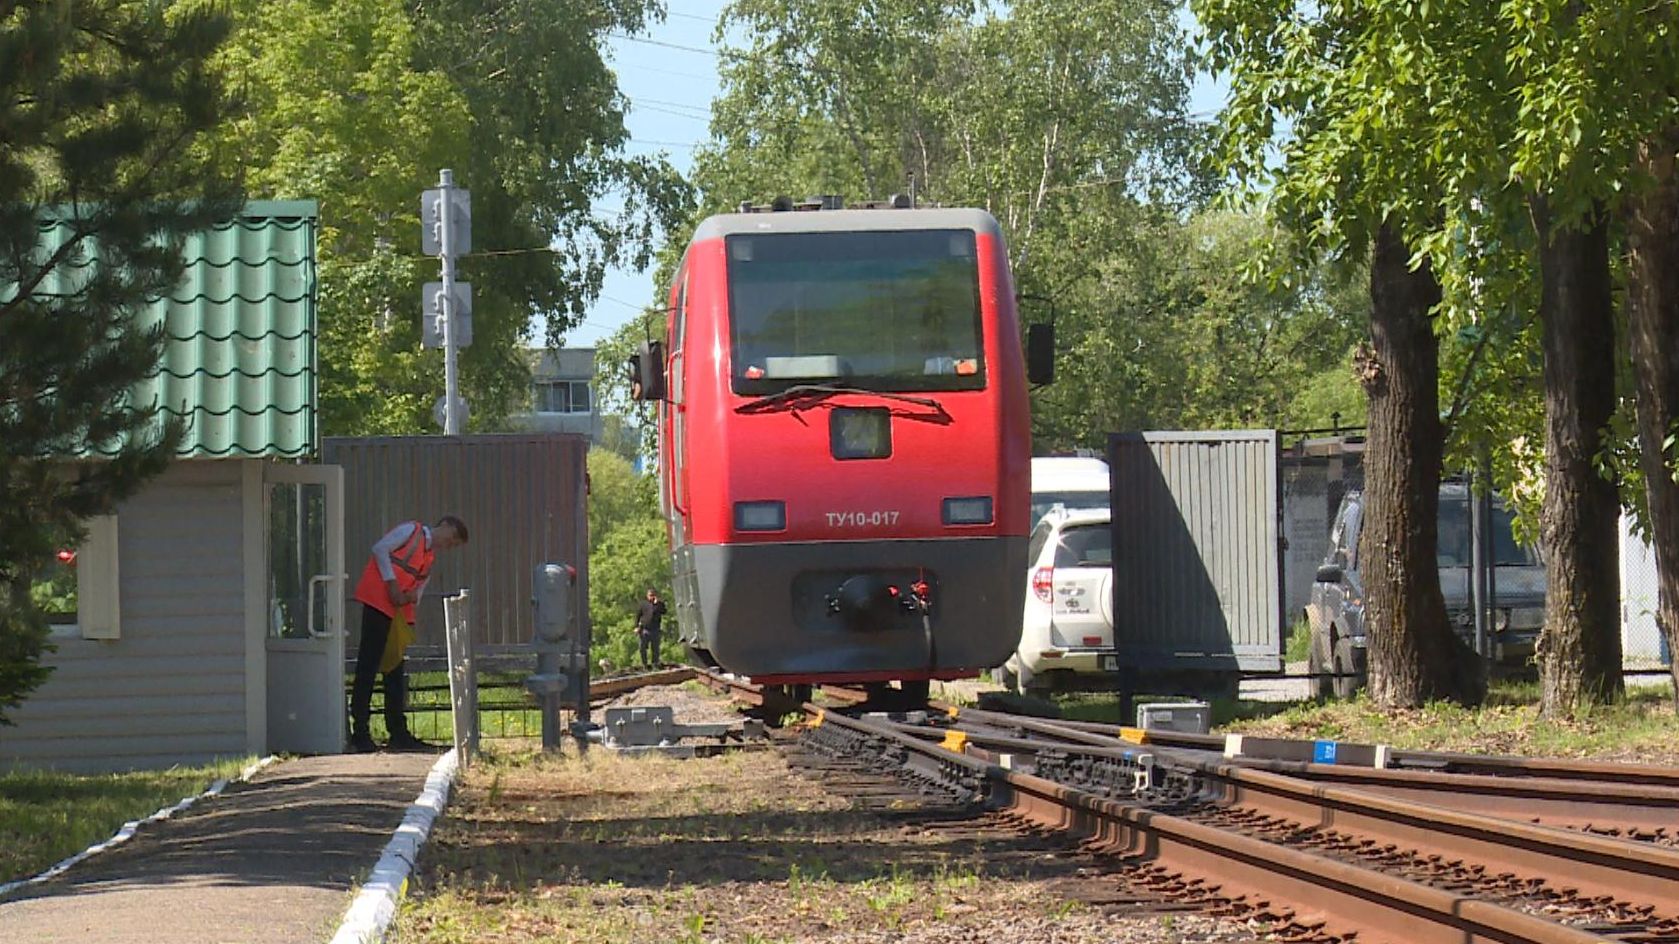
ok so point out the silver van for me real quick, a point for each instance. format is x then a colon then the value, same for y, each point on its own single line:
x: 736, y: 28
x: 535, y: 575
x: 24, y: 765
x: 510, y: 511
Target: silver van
x: 1336, y: 610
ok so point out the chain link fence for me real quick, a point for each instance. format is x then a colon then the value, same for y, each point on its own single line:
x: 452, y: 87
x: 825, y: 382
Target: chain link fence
x: 1643, y: 646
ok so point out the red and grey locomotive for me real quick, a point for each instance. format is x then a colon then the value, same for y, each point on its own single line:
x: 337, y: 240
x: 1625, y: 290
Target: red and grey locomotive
x: 844, y: 443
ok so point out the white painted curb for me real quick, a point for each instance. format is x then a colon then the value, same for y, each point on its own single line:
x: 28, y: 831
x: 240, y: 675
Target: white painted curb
x: 370, y: 915
x: 129, y: 828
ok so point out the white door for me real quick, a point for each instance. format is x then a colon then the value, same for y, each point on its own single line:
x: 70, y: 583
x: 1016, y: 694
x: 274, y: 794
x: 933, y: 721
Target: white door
x: 303, y: 508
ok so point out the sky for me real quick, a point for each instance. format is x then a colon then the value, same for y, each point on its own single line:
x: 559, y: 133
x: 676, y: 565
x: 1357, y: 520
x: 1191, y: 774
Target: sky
x: 669, y: 75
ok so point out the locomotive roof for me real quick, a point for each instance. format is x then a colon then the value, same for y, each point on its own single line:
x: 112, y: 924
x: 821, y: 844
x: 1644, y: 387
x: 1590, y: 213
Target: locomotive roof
x: 847, y: 221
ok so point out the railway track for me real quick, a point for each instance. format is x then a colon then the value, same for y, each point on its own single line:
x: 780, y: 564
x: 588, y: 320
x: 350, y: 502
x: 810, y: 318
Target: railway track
x: 1645, y: 812
x: 1448, y: 762
x: 1309, y: 859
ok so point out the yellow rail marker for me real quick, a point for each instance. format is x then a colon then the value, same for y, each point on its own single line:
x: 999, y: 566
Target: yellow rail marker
x: 954, y: 741
x: 816, y: 721
x: 952, y: 710
x: 1135, y: 735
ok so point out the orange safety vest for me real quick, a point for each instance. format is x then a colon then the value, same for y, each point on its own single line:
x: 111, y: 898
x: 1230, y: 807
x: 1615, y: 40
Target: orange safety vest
x: 410, y: 563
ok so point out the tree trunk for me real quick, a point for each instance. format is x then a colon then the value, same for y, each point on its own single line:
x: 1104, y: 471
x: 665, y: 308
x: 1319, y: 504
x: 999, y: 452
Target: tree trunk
x: 1580, y: 646
x: 1653, y: 326
x: 1414, y: 654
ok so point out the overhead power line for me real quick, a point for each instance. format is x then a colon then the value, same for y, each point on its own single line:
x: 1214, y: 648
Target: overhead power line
x: 672, y: 112
x: 704, y: 109
x: 694, y: 16
x: 667, y: 45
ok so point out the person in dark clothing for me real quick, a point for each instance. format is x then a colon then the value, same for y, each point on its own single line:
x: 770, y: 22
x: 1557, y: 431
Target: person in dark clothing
x: 394, y: 578
x: 648, y: 620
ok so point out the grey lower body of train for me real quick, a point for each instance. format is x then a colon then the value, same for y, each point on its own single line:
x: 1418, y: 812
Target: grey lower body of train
x: 846, y: 610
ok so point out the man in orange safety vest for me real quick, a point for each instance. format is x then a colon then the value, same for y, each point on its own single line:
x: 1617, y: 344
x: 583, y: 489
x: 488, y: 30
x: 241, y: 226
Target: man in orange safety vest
x: 395, y: 576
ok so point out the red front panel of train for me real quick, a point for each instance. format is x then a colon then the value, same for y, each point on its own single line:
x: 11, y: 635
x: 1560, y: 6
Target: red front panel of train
x: 869, y: 382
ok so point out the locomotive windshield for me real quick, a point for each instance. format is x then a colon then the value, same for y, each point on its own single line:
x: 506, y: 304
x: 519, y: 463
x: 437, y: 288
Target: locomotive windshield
x: 879, y: 310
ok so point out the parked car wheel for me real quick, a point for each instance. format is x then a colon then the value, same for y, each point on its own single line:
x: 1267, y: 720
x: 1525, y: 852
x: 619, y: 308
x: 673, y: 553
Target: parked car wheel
x: 1347, y: 683
x: 1318, y: 662
x: 1010, y: 679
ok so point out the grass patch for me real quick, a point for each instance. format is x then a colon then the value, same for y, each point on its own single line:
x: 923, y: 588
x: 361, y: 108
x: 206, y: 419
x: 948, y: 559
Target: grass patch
x: 1642, y: 728
x: 46, y: 816
x: 1299, y: 645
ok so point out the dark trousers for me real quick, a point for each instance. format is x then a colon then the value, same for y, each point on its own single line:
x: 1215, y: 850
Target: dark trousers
x: 375, y: 628
x: 649, y: 648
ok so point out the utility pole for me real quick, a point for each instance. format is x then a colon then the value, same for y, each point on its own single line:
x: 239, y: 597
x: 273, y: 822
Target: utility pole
x: 446, y: 232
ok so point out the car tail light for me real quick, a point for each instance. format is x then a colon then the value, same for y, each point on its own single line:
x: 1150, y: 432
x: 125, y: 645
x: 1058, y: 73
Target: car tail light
x: 1093, y: 640
x: 1043, y: 583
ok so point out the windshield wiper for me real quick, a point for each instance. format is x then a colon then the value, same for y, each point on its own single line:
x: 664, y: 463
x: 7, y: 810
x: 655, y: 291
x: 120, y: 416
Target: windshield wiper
x: 799, y: 396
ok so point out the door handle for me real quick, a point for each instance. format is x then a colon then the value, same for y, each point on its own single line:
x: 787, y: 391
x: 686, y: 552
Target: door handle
x: 317, y: 579
x: 678, y: 465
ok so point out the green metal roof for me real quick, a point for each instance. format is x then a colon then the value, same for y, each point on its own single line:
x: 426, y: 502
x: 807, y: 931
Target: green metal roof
x: 239, y: 363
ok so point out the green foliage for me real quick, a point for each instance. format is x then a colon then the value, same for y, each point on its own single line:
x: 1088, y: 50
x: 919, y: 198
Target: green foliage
x: 55, y: 595
x: 1195, y: 331
x: 1329, y: 398
x: 102, y: 103
x: 1069, y: 124
x: 1299, y: 646
x: 628, y: 552
x: 612, y: 386
x: 359, y: 103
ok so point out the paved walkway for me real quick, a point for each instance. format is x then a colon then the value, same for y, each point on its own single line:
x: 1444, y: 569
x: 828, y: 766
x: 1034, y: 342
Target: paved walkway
x: 272, y: 861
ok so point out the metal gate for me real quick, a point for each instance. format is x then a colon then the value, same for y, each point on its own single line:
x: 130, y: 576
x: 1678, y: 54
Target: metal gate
x: 522, y: 497
x: 1197, y: 565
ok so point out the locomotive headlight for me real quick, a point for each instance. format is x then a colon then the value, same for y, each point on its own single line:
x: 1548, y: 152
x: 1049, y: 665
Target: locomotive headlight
x: 860, y: 433
x: 760, y: 516
x: 975, y: 510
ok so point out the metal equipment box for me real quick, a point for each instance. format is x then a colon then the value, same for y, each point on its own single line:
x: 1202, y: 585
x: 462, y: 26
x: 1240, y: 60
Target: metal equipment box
x: 1187, y: 717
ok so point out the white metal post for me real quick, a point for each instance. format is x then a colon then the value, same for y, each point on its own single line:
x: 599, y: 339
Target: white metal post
x: 451, y: 372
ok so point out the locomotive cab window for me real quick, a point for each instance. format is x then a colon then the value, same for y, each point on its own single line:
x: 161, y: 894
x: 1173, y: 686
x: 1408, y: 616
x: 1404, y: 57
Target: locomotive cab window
x: 886, y: 310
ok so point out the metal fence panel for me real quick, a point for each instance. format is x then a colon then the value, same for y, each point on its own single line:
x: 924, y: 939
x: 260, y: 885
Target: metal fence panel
x: 1643, y: 647
x: 1197, y: 570
x: 522, y: 497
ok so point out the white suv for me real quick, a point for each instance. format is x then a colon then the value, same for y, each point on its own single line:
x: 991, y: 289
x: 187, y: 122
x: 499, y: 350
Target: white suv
x: 1067, y: 640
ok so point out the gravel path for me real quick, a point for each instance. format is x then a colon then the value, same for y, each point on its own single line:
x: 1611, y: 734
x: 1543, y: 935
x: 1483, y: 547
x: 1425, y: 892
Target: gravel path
x: 744, y: 848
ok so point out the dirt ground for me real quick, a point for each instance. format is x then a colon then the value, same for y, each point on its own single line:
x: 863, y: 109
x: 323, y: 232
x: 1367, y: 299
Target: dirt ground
x: 742, y: 848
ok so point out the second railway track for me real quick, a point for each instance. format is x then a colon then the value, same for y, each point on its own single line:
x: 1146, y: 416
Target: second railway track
x: 1317, y: 861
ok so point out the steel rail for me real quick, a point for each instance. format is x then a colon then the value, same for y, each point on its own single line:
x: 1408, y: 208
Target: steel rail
x: 1492, y: 765
x: 1552, y: 802
x: 1602, y: 807
x: 1589, y: 864
x: 1378, y: 907
x: 606, y: 688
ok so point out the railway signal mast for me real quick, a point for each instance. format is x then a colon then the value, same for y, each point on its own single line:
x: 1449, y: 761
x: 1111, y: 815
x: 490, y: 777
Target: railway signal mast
x: 446, y: 306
